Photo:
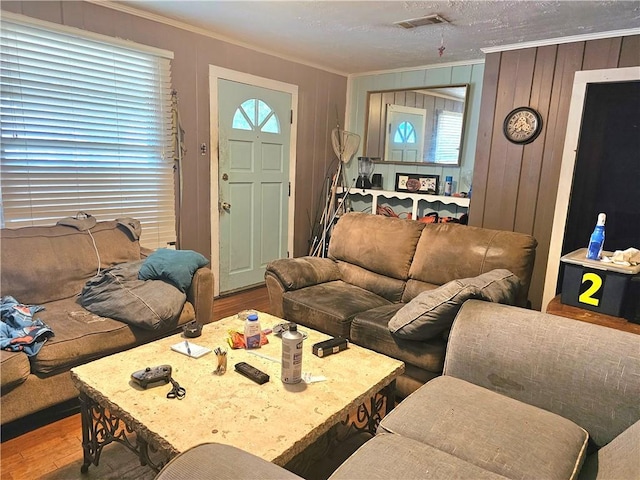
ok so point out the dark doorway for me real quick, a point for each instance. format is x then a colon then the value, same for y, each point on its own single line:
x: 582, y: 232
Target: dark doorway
x: 607, y: 170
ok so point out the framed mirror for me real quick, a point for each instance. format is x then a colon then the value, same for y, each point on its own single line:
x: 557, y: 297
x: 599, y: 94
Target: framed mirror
x: 416, y: 126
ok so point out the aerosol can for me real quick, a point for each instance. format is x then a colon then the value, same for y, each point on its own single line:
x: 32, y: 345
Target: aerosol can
x: 292, y: 355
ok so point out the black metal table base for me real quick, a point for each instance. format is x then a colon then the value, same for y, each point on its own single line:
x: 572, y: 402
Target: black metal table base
x: 100, y: 428
x: 368, y: 416
x: 360, y: 424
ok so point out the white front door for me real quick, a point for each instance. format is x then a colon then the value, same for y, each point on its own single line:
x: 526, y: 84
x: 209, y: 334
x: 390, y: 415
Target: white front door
x: 404, y: 141
x: 253, y: 178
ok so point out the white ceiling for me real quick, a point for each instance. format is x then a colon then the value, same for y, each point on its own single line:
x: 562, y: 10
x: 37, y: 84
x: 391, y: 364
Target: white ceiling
x: 359, y: 36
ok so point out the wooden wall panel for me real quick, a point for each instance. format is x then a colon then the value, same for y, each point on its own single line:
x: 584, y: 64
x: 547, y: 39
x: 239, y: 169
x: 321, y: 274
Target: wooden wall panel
x: 515, y: 187
x: 484, y: 140
x: 530, y: 189
x: 602, y: 53
x: 514, y: 89
x: 629, y: 52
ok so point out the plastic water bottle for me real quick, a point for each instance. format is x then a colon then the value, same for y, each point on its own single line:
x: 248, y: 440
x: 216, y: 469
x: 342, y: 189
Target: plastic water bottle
x: 448, y: 184
x: 596, y: 242
x: 252, y: 331
x: 292, y: 355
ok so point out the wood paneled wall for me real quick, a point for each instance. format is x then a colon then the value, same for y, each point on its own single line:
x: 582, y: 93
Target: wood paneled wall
x: 321, y: 95
x: 515, y: 186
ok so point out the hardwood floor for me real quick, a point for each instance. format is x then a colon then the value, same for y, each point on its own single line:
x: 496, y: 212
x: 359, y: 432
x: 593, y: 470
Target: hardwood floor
x: 40, y: 452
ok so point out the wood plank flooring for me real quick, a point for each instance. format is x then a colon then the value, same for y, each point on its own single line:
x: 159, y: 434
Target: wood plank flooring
x: 55, y: 450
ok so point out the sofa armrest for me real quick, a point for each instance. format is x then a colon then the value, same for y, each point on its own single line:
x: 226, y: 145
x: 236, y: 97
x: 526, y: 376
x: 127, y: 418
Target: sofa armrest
x: 200, y: 294
x: 218, y: 461
x: 587, y: 373
x: 288, y: 274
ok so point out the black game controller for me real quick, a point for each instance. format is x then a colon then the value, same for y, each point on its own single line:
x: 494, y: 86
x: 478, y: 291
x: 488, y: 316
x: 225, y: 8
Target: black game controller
x: 161, y: 373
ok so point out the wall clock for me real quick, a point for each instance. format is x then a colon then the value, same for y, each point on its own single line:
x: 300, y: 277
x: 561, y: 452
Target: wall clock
x: 522, y: 125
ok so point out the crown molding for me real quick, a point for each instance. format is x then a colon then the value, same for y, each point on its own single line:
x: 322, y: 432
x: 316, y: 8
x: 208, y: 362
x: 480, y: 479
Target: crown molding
x: 558, y: 41
x: 462, y: 63
x: 207, y: 33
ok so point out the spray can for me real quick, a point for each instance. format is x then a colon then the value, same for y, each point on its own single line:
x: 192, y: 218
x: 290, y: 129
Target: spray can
x: 596, y: 242
x: 292, y: 355
x: 252, y: 331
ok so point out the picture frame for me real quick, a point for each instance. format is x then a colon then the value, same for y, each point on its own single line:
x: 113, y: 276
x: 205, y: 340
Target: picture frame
x: 417, y: 183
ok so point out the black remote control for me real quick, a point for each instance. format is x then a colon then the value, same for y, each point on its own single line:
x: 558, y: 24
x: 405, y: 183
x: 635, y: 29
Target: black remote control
x: 252, y: 373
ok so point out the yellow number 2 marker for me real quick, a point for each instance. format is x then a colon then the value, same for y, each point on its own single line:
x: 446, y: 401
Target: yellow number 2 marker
x: 596, y: 283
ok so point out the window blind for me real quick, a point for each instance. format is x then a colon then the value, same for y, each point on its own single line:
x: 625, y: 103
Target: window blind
x: 449, y: 133
x: 86, y: 126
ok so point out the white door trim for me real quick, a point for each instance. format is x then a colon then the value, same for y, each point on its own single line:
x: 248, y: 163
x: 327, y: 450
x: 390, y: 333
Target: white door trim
x: 216, y: 73
x: 567, y: 167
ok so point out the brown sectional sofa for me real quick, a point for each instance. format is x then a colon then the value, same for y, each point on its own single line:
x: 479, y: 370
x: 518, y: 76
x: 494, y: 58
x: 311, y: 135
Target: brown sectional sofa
x: 375, y: 266
x: 49, y: 266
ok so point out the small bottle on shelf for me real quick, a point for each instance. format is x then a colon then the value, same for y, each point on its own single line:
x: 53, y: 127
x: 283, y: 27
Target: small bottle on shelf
x: 448, y: 184
x: 596, y: 242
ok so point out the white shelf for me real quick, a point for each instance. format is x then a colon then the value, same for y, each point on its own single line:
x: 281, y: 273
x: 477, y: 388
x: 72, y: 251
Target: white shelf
x: 414, y: 197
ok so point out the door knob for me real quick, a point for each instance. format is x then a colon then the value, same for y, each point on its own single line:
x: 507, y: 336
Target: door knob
x: 225, y: 177
x: 225, y: 206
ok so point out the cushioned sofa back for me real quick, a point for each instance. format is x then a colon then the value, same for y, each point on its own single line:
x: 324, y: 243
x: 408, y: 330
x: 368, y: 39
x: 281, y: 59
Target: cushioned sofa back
x: 375, y: 252
x: 587, y: 373
x: 42, y: 264
x: 447, y: 251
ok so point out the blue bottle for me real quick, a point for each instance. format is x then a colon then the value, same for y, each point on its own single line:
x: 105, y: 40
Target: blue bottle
x: 596, y: 242
x: 448, y: 185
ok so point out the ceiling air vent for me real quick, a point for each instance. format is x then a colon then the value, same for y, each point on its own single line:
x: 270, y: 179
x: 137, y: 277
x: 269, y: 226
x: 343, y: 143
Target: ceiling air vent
x: 421, y: 21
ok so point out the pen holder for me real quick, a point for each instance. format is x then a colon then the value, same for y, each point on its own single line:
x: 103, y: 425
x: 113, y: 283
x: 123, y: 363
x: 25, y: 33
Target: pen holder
x: 221, y: 355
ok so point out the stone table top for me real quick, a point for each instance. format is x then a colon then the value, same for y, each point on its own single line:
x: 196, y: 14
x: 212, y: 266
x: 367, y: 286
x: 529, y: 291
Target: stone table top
x: 275, y: 421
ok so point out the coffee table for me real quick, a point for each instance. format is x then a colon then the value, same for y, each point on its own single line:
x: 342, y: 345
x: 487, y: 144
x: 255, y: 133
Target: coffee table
x: 275, y: 421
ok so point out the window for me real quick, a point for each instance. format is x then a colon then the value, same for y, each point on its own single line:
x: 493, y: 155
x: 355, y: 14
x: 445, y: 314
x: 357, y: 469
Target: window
x: 405, y: 133
x: 254, y: 114
x: 86, y: 125
x: 448, y: 136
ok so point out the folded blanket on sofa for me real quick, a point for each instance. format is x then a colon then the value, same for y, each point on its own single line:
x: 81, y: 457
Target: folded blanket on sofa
x: 118, y: 293
x: 19, y: 330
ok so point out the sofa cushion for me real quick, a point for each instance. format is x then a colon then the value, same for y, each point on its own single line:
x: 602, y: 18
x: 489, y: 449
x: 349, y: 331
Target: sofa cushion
x: 81, y: 336
x: 447, y: 251
x: 433, y: 311
x: 616, y: 460
x: 174, y: 266
x: 370, y: 329
x: 216, y: 460
x: 295, y: 273
x: 117, y: 293
x: 387, y: 457
x: 14, y: 369
x: 61, y: 259
x: 329, y: 307
x: 379, y: 244
x: 385, y: 286
x: 600, y: 393
x: 490, y: 430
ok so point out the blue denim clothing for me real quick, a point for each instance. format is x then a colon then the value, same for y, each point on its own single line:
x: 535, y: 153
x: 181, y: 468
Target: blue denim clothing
x: 19, y: 331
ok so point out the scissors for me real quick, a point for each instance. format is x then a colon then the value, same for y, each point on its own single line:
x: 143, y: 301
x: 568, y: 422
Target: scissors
x: 177, y: 391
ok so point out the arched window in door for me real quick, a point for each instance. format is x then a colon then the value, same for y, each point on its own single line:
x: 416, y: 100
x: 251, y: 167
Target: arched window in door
x: 405, y: 133
x: 254, y: 114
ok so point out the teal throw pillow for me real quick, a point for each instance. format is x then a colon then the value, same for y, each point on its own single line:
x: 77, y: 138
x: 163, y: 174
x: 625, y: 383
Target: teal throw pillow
x: 173, y: 266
